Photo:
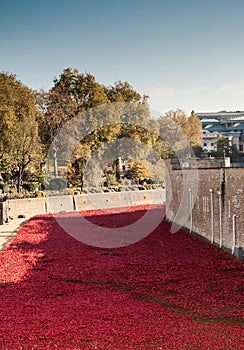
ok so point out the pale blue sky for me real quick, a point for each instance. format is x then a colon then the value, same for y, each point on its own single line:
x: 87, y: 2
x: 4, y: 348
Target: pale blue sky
x: 185, y: 54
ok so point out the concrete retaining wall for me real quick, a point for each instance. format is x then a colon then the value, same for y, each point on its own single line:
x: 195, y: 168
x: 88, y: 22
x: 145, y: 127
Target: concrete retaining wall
x: 102, y: 200
x: 147, y: 197
x: 35, y: 206
x: 27, y: 207
x: 118, y: 199
x: 59, y: 204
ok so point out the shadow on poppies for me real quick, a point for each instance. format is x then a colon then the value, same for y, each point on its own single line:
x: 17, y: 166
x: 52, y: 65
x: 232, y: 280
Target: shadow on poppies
x: 166, y: 291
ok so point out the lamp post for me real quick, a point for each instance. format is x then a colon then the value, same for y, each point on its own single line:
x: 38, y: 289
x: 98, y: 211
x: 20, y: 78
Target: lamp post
x: 117, y: 162
x: 55, y: 163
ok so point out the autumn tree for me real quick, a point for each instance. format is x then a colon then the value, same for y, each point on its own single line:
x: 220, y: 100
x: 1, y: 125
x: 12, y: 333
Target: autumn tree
x: 178, y: 132
x: 191, y: 126
x: 225, y: 148
x: 20, y: 147
x: 138, y: 171
x: 194, y: 130
x: 106, y: 113
x: 121, y: 92
x: 71, y: 95
x: 55, y: 110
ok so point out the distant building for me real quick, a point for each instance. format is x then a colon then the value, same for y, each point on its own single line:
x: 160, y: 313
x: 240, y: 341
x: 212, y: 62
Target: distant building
x: 209, y: 140
x: 229, y: 124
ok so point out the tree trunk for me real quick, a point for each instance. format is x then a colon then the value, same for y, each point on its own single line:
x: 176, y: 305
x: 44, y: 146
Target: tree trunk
x: 19, y: 183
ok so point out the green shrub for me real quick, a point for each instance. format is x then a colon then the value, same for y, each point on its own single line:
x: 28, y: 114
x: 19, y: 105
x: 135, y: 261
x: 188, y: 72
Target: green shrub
x: 30, y: 186
x: 57, y: 184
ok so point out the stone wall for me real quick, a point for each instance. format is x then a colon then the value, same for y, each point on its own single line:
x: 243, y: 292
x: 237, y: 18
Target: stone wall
x: 207, y: 200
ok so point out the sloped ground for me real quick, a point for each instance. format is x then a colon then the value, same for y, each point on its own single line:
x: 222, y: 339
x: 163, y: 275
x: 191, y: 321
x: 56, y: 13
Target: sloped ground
x: 167, y: 291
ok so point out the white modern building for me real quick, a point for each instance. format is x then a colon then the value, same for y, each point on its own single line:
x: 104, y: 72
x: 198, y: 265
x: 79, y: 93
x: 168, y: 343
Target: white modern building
x: 229, y: 124
x: 209, y: 140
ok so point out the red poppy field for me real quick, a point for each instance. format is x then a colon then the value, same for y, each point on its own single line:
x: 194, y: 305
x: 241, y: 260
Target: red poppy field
x: 167, y: 291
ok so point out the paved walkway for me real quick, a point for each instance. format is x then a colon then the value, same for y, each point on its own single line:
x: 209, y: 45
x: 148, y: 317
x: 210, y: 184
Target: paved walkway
x: 8, y: 231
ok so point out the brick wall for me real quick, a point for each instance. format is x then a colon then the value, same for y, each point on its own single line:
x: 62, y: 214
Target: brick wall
x: 216, y: 196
